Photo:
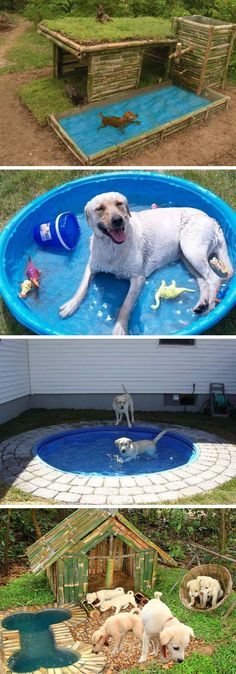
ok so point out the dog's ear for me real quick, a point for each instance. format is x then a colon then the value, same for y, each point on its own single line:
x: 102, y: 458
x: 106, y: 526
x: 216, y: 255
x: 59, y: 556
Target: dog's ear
x: 88, y: 213
x: 190, y: 631
x: 165, y: 636
x: 127, y: 206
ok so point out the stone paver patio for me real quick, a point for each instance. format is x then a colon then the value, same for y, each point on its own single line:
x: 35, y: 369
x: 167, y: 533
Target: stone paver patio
x: 215, y: 464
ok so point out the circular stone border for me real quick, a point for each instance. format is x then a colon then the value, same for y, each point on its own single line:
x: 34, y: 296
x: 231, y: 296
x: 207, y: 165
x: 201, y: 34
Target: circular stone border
x: 214, y: 465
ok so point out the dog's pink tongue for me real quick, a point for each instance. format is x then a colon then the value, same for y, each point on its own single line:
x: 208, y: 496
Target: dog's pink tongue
x: 118, y: 235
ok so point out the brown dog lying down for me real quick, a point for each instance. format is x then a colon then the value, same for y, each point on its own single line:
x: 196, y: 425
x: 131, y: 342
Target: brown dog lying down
x: 101, y: 16
x: 119, y: 122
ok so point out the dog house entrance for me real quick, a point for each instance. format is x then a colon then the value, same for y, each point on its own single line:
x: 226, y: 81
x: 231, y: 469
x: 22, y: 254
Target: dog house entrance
x: 111, y: 564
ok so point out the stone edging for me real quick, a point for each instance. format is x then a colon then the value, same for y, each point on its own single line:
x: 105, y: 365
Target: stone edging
x: 215, y: 464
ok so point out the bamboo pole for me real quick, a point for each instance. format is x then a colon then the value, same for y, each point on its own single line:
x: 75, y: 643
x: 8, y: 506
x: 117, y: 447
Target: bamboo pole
x: 212, y: 552
x: 83, y: 47
x: 229, y: 56
x: 110, y: 572
x: 61, y: 38
x: 204, y: 67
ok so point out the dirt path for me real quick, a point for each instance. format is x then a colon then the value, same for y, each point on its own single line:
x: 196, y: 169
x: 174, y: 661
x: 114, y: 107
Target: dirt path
x: 10, y: 36
x: 22, y: 140
x: 24, y: 143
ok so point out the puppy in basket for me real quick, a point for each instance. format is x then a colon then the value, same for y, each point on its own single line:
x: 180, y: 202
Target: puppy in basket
x: 132, y: 449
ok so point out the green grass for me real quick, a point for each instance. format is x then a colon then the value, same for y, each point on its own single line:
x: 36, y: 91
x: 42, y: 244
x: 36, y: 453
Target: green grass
x: 47, y: 95
x: 44, y: 96
x: 87, y: 29
x: 26, y: 591
x: 207, y: 627
x: 225, y: 428
x: 29, y: 52
x: 17, y: 188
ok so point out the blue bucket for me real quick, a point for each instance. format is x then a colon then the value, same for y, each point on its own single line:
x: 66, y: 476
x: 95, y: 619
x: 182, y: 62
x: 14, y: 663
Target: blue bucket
x: 63, y: 232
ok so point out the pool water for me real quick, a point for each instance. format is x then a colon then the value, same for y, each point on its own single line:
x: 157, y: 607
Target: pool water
x: 61, y: 274
x: 38, y: 647
x: 92, y: 451
x: 153, y: 108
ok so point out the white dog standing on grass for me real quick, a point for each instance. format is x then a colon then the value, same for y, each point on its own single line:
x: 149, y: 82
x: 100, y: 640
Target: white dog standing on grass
x: 131, y: 449
x: 134, y: 245
x: 166, y: 631
x: 123, y: 405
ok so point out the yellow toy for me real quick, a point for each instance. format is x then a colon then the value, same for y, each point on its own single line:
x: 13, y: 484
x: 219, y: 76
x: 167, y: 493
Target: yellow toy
x: 25, y: 288
x: 168, y: 293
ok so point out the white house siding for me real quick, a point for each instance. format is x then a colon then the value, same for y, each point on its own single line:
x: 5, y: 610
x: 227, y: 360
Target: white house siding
x: 101, y: 366
x: 14, y: 370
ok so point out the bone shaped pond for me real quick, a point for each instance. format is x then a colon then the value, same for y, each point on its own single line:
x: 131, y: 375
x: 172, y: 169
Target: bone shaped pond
x: 37, y: 643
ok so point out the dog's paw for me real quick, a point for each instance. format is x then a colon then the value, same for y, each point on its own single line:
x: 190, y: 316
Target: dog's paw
x: 142, y: 660
x: 201, y: 307
x: 119, y: 329
x: 67, y: 309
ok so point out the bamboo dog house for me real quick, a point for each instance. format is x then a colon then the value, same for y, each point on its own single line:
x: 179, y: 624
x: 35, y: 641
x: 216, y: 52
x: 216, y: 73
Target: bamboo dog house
x: 92, y: 546
x: 112, y: 67
x: 196, y: 60
x: 209, y: 43
x: 217, y: 571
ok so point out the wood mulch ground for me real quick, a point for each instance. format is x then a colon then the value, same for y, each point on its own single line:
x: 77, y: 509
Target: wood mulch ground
x: 131, y: 648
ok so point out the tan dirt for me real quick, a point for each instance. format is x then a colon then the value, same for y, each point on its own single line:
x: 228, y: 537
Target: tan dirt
x: 24, y: 143
x: 11, y: 34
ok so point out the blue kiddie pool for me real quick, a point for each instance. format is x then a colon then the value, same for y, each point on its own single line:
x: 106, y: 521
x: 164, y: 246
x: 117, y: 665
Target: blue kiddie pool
x: 92, y: 451
x: 62, y: 270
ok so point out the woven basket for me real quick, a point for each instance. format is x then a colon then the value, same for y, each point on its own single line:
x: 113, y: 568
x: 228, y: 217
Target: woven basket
x: 215, y: 571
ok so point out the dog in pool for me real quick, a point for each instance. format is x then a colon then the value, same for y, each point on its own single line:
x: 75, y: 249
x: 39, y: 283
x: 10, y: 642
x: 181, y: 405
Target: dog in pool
x: 133, y: 245
x: 132, y: 449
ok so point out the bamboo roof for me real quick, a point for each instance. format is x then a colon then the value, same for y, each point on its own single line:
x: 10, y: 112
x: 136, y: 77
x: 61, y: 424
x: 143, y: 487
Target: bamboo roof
x: 81, y: 531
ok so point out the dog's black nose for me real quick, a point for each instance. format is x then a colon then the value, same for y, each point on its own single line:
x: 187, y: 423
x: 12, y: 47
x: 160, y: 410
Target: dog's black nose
x: 117, y: 221
x: 180, y: 660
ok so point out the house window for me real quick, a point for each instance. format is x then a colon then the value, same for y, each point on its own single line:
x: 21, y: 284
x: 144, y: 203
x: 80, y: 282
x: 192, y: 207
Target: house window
x: 177, y: 342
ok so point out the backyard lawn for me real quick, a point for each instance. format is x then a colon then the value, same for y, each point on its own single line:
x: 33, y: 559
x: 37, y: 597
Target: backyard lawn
x: 213, y: 650
x: 30, y: 51
x: 225, y: 428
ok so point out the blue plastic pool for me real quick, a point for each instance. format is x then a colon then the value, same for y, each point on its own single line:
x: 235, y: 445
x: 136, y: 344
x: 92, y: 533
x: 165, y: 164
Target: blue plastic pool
x: 61, y: 272
x: 37, y: 644
x: 92, y: 451
x: 153, y: 108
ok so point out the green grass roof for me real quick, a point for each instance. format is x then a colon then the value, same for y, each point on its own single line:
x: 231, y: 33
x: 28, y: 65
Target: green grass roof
x: 89, y: 31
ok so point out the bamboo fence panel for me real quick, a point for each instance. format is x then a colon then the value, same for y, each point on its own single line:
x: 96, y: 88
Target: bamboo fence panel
x: 113, y: 71
x: 207, y: 64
